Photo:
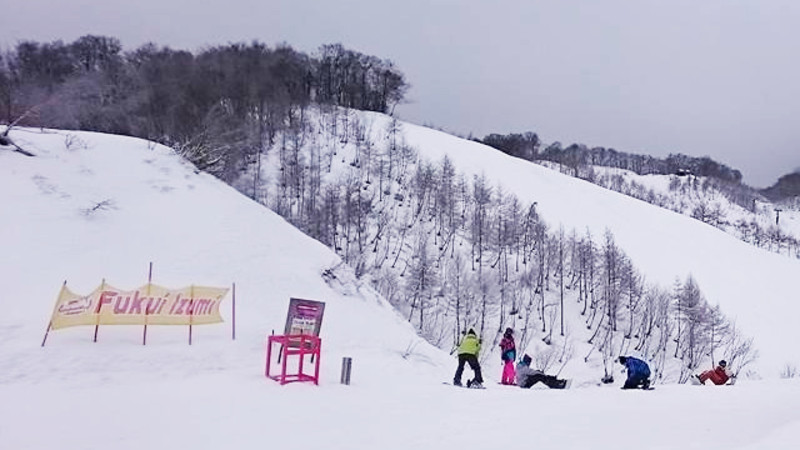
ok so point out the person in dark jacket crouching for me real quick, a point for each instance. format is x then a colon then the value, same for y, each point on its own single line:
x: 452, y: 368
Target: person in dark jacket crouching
x: 527, y: 377
x: 638, y: 373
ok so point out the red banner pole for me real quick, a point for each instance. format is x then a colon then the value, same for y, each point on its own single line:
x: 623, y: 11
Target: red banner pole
x: 233, y: 313
x: 97, y: 325
x: 147, y: 307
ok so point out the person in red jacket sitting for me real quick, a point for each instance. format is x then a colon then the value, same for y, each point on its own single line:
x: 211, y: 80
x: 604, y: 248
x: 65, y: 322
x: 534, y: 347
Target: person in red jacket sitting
x: 719, y: 375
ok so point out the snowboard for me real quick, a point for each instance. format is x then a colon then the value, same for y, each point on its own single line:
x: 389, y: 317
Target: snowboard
x: 641, y: 387
x: 567, y: 385
x: 540, y: 385
x: 696, y: 381
x: 464, y: 386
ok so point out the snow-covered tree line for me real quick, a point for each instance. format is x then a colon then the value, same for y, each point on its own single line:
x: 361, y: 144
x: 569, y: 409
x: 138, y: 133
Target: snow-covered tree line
x: 696, y: 182
x: 708, y: 200
x: 216, y: 106
x: 452, y: 252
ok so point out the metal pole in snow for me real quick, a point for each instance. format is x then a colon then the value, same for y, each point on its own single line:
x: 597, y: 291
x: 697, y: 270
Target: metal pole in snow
x: 347, y: 364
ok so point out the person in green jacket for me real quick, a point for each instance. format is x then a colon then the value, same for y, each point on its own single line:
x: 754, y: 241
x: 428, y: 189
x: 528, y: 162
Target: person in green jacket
x: 468, y: 351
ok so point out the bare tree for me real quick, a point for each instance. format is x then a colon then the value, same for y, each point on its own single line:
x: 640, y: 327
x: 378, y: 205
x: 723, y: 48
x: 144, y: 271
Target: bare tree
x: 694, y: 317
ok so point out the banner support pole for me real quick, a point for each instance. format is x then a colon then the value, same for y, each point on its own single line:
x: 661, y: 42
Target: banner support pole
x: 191, y: 312
x: 97, y: 324
x: 147, y: 308
x: 50, y: 323
x: 233, y: 313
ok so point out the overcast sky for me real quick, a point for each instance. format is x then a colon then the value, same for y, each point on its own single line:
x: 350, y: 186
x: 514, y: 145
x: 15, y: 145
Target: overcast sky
x: 702, y: 77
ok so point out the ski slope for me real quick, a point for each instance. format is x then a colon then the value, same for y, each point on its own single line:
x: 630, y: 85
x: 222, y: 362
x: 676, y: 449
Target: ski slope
x: 764, y: 215
x: 116, y: 393
x: 754, y: 287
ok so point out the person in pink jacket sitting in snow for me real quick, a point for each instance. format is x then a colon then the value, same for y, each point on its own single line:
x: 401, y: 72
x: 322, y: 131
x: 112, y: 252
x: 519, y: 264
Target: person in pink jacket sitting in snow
x: 508, y: 355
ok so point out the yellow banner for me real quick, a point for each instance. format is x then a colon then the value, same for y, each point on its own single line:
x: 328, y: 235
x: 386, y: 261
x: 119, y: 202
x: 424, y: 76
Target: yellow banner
x: 150, y: 305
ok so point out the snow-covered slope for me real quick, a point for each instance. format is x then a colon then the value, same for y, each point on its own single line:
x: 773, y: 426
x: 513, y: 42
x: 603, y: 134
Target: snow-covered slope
x: 75, y: 394
x: 756, y: 288
x: 152, y: 206
x: 702, y: 198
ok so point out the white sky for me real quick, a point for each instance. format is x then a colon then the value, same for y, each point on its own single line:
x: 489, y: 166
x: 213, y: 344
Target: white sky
x: 716, y: 78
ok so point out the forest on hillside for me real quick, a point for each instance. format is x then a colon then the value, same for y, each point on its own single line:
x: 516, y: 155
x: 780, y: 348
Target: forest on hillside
x: 528, y: 146
x: 219, y: 107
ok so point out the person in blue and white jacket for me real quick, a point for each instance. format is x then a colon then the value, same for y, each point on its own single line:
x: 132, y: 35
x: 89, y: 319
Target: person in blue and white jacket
x: 527, y: 376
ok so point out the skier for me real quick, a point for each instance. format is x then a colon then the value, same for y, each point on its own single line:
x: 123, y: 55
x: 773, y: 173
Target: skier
x: 508, y: 354
x: 638, y: 373
x: 527, y: 377
x: 468, y: 351
x: 718, y: 375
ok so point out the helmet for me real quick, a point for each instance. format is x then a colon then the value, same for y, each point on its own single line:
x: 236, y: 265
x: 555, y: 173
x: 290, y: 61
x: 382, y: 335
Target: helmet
x: 723, y: 363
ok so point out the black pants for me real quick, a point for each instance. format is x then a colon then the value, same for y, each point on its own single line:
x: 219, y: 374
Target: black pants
x: 637, y: 382
x: 473, y: 364
x: 549, y: 381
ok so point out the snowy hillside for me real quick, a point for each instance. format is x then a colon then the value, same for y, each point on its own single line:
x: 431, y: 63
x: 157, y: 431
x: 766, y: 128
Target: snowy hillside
x: 753, y: 287
x: 767, y: 225
x: 90, y: 207
x: 93, y: 206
